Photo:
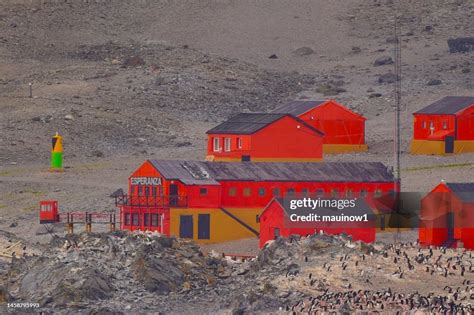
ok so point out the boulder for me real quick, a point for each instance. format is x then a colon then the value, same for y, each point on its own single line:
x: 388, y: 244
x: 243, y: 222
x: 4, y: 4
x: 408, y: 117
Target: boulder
x: 303, y: 51
x: 384, y: 60
x: 461, y: 44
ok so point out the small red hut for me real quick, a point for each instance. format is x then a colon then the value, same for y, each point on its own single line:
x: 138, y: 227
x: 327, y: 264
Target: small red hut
x: 447, y: 216
x: 344, y: 129
x: 278, y: 220
x: 261, y: 137
x: 445, y: 126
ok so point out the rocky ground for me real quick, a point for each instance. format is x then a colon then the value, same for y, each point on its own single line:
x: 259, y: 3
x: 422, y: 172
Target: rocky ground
x: 148, y: 273
x: 125, y: 81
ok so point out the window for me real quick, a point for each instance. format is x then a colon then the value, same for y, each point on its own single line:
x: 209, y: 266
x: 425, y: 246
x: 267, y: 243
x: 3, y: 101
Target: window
x: 160, y: 191
x: 146, y: 221
x: 305, y: 192
x: 203, y: 191
x: 377, y: 193
x: 363, y: 193
x: 232, y: 191
x: 431, y: 125
x: 135, y: 219
x: 153, y: 190
x: 216, y: 145
x: 349, y: 193
x: 247, y: 192
x: 423, y: 124
x: 132, y: 189
x: 147, y: 191
x: 227, y: 143
x: 445, y: 125
x: 154, y: 220
x: 261, y: 191
x: 319, y: 192
x: 290, y: 192
x: 239, y: 143
x: 334, y: 193
x: 127, y: 218
x: 276, y: 192
x: 139, y: 191
x: 257, y: 218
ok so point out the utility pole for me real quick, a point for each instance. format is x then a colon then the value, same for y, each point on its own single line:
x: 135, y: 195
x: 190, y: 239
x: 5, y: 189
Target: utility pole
x: 397, y: 137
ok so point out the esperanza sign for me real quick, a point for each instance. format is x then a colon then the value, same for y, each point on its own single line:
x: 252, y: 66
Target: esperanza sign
x: 150, y: 181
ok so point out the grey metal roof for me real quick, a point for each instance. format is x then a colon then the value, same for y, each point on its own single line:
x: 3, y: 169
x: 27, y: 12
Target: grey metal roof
x: 448, y: 105
x: 245, y: 123
x: 297, y: 108
x: 200, y: 172
x: 249, y: 123
x: 465, y: 191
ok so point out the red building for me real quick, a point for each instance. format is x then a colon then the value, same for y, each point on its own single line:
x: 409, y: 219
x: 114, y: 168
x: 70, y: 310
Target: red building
x: 444, y: 127
x: 275, y: 222
x: 447, y: 216
x: 264, y: 137
x: 218, y: 201
x: 344, y: 129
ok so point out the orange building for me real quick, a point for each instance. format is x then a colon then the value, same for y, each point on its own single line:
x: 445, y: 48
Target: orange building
x: 445, y: 126
x: 447, y: 216
x: 344, y: 129
x: 261, y: 137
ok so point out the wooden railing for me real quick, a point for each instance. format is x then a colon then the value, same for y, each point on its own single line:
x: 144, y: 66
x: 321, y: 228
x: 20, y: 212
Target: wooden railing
x: 151, y: 201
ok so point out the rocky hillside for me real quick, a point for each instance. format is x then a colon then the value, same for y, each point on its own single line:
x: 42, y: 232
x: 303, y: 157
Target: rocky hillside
x: 118, y: 272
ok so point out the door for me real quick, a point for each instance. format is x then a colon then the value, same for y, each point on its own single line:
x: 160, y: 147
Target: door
x: 204, y: 226
x: 186, y: 226
x: 245, y: 158
x: 173, y: 195
x: 276, y: 233
x: 449, y: 144
x: 450, y: 225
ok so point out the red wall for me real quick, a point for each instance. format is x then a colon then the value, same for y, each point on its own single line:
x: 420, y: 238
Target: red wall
x: 281, y: 139
x: 140, y: 211
x: 420, y: 133
x: 465, y: 124
x: 255, y: 200
x: 435, y: 206
x: 273, y: 217
x: 340, y: 125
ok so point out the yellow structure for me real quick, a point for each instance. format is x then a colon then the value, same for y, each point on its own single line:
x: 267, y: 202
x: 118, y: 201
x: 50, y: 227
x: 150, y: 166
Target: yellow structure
x: 431, y: 147
x: 223, y: 227
x: 344, y: 148
x: 57, y: 154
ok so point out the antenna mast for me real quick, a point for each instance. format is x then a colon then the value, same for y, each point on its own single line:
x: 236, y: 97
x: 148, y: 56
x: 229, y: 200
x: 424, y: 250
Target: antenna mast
x: 398, y: 98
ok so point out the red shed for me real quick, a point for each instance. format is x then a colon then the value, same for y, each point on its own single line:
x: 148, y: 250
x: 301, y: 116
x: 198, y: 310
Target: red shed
x: 275, y: 222
x: 344, y: 129
x: 447, y: 216
x: 264, y: 137
x: 445, y: 126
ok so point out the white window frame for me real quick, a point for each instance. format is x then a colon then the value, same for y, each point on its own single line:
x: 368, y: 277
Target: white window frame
x: 216, y: 144
x: 227, y: 144
x: 239, y: 143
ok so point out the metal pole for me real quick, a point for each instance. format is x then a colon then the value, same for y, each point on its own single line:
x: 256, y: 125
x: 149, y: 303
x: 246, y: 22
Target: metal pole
x: 397, y: 140
x: 31, y: 89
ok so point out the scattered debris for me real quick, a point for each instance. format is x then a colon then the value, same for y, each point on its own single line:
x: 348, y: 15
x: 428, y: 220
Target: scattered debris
x: 304, y: 51
x: 433, y: 82
x: 384, y: 60
x: 461, y: 44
